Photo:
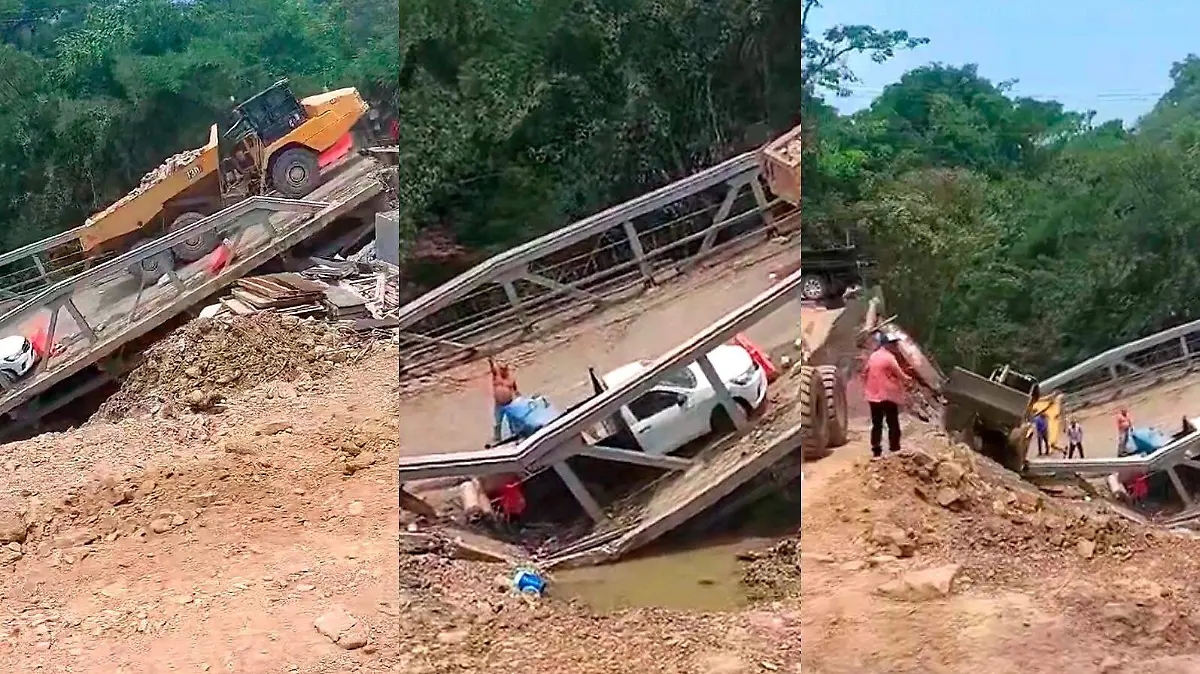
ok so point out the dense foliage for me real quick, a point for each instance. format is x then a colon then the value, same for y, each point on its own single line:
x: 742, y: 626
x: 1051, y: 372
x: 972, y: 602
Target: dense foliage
x: 518, y: 117
x: 1009, y: 229
x: 94, y: 94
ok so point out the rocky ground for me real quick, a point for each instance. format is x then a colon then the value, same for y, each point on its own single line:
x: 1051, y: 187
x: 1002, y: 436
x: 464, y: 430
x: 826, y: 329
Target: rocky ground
x: 258, y: 537
x: 937, y: 560
x: 201, y: 363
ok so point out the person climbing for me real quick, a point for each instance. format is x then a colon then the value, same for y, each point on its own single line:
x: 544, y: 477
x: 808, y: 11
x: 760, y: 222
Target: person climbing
x: 885, y: 385
x: 1074, y: 439
x: 1124, y: 427
x: 504, y: 392
x: 1041, y: 427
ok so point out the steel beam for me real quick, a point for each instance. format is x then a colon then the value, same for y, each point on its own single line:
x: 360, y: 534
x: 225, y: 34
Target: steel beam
x: 491, y: 269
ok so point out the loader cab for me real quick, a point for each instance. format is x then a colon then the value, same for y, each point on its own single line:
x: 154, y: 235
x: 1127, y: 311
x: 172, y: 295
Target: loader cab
x: 267, y: 116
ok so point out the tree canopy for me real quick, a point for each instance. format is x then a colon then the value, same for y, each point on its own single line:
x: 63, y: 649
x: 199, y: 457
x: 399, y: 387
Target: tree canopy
x: 95, y: 94
x: 519, y: 117
x: 1009, y: 229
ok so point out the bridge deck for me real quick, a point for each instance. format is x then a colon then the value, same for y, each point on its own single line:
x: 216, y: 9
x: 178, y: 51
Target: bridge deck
x: 90, y: 316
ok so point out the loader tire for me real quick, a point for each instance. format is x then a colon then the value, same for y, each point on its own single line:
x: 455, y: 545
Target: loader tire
x: 814, y: 418
x: 196, y: 247
x: 837, y: 407
x: 295, y: 172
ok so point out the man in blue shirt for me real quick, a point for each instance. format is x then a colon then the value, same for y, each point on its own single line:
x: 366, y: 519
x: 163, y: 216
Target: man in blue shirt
x: 1041, y: 427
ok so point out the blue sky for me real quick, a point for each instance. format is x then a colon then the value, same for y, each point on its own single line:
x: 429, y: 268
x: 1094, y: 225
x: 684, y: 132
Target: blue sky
x: 1111, y: 56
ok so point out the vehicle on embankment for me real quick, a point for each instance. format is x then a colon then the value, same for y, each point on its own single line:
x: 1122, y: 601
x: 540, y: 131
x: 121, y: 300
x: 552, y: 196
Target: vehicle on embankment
x: 273, y: 143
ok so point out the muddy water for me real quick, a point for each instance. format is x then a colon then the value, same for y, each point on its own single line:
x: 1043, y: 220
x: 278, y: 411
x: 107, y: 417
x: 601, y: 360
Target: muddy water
x: 704, y: 578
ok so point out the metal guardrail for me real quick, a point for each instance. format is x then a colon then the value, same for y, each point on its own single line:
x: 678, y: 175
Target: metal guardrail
x: 565, y: 433
x: 598, y: 260
x: 1138, y: 364
x: 1162, y: 458
x: 87, y: 317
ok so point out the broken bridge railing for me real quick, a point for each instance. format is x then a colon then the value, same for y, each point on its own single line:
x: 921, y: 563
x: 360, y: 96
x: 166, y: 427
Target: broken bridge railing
x: 1142, y: 363
x: 78, y: 321
x: 605, y: 258
x: 563, y: 438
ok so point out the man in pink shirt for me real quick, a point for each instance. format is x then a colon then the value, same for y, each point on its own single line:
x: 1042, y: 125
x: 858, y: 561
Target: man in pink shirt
x: 885, y: 385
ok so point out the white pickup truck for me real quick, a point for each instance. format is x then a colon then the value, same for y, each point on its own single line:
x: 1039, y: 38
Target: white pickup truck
x: 683, y: 406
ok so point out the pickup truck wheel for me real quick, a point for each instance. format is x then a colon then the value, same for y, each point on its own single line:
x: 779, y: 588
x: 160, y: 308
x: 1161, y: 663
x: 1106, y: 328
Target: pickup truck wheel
x: 149, y: 270
x: 196, y: 247
x: 295, y: 172
x: 813, y: 287
x: 721, y: 422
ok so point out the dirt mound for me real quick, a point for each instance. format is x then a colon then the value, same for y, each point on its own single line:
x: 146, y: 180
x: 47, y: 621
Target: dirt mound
x: 941, y: 500
x: 206, y: 360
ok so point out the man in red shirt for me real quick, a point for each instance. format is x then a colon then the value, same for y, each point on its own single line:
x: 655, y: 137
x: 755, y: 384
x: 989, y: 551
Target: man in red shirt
x: 885, y: 385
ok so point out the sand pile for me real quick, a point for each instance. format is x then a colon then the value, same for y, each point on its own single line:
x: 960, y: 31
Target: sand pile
x: 206, y: 360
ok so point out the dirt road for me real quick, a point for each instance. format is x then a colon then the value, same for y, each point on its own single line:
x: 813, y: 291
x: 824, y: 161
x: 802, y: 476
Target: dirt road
x: 452, y: 412
x: 1039, y: 584
x: 193, y: 543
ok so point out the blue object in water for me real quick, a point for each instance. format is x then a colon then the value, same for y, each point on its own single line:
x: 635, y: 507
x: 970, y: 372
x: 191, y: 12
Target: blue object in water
x: 527, y: 581
x: 1147, y: 440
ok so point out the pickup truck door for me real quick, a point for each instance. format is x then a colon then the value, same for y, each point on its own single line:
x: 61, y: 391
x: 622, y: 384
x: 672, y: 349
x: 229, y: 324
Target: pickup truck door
x: 658, y: 421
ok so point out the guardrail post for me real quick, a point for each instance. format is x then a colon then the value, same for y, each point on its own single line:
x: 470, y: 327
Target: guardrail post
x: 639, y: 253
x: 579, y: 491
x: 77, y: 316
x: 514, y: 299
x: 50, y: 330
x: 710, y: 237
x: 764, y: 205
x: 41, y: 267
x: 1179, y: 487
x: 723, y: 396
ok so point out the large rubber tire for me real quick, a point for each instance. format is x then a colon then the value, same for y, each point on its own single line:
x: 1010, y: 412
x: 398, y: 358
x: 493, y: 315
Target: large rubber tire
x: 813, y: 287
x: 814, y: 419
x: 837, y: 407
x: 295, y: 172
x: 149, y: 270
x: 196, y: 247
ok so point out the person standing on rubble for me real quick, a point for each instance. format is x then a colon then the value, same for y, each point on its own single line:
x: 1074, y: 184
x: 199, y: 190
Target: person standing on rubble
x: 885, y: 385
x: 1074, y: 439
x: 1124, y: 428
x: 1041, y: 427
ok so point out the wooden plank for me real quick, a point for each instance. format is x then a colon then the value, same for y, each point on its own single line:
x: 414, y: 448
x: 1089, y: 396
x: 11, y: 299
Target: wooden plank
x: 259, y: 302
x: 237, y: 306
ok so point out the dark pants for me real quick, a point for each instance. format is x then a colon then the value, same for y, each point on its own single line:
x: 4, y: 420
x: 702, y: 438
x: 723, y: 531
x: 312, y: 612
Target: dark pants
x: 1043, y: 443
x: 1071, y: 447
x: 881, y: 412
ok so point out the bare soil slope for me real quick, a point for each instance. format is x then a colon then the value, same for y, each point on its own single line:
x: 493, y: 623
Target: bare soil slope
x: 209, y: 542
x: 937, y: 560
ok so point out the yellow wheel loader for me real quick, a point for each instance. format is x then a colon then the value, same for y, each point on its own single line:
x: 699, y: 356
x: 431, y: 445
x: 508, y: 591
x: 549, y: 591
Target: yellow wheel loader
x: 994, y: 415
x: 272, y: 142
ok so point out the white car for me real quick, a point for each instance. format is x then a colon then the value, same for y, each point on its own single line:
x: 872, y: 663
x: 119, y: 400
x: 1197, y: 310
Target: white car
x: 683, y: 406
x: 17, y: 357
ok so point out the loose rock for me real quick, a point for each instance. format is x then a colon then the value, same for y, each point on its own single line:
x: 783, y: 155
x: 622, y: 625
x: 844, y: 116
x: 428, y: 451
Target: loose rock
x: 343, y: 629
